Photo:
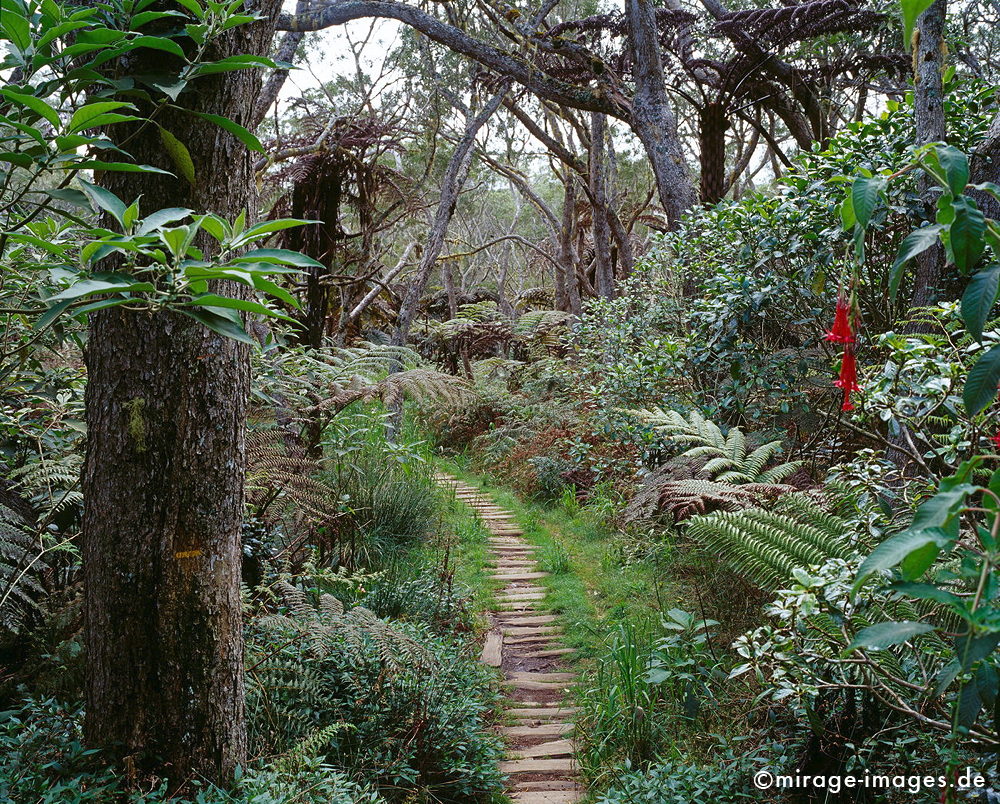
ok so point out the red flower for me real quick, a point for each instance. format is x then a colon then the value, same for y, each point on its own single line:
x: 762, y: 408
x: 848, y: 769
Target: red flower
x: 848, y: 379
x: 996, y: 440
x: 841, y: 332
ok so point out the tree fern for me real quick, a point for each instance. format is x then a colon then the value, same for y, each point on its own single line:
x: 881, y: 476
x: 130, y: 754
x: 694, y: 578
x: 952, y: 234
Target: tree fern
x: 682, y: 499
x: 767, y: 545
x: 728, y: 458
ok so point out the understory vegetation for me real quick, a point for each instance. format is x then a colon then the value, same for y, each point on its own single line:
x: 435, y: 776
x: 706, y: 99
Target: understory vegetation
x: 704, y: 293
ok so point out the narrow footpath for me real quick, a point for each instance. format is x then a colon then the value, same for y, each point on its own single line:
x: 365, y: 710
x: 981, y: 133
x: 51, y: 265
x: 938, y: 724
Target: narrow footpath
x: 523, y: 644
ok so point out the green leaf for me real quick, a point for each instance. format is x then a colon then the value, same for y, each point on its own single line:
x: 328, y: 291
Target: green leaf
x: 106, y: 200
x: 259, y: 230
x: 896, y: 548
x: 927, y: 591
x: 865, y: 193
x: 911, y: 9
x: 108, y: 283
x: 230, y: 63
x: 214, y: 300
x: 970, y: 649
x: 15, y: 26
x: 916, y: 242
x: 235, y: 129
x: 52, y: 314
x: 223, y: 325
x: 157, y: 43
x: 116, y: 167
x: 84, y: 116
x: 161, y: 217
x: 981, y: 385
x: 956, y: 167
x: 179, y: 154
x: 966, y: 241
x: 37, y: 105
x: 265, y: 285
x: 979, y: 299
x: 281, y: 255
x: 884, y: 635
x: 969, y: 704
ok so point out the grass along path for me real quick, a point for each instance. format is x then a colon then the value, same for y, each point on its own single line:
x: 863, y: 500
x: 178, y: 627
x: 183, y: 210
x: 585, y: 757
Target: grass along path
x: 523, y: 643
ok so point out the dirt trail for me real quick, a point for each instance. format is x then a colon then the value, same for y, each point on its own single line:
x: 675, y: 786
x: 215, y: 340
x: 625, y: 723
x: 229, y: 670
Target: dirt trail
x: 523, y: 643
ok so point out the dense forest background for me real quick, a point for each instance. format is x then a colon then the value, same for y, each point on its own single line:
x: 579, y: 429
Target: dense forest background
x: 706, y: 294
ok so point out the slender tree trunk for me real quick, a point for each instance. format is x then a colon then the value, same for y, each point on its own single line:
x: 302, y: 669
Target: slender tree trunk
x: 166, y: 407
x: 454, y: 179
x: 604, y: 280
x: 567, y: 253
x: 928, y: 103
x: 652, y: 119
x: 712, y: 138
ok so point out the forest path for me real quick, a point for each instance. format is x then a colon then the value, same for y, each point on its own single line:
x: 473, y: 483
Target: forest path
x: 523, y: 644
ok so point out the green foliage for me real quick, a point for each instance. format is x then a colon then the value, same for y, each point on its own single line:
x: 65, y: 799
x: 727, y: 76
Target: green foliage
x: 21, y: 568
x: 42, y: 759
x: 729, y: 458
x: 725, y: 778
x: 769, y: 546
x: 397, y: 706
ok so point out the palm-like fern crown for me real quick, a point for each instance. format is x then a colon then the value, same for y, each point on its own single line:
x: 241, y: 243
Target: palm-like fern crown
x: 728, y: 457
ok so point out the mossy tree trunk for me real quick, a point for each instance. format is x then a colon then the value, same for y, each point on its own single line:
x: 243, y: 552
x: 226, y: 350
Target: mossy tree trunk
x: 163, y: 481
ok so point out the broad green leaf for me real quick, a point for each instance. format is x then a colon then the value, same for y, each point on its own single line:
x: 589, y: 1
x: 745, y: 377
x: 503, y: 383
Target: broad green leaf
x: 37, y: 105
x: 896, y: 548
x: 84, y: 116
x: 146, y: 17
x: 911, y: 10
x: 969, y: 704
x: 865, y: 193
x: 979, y: 299
x: 221, y: 324
x: 970, y: 649
x: 235, y: 129
x: 108, y: 284
x: 157, y: 43
x: 161, y: 217
x: 230, y: 63
x: 265, y: 285
x: 267, y: 227
x: 885, y: 635
x: 116, y: 167
x: 15, y: 26
x: 179, y: 155
x: 927, y: 591
x: 955, y: 165
x: 105, y: 200
x: 213, y: 300
x: 981, y: 385
x: 966, y: 241
x: 284, y: 256
x: 916, y: 242
x: 52, y: 314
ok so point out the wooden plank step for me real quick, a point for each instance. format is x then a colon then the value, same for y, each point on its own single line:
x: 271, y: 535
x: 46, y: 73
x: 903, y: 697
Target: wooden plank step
x: 493, y: 649
x: 563, y: 765
x: 543, y: 712
x: 550, y: 677
x: 541, y: 730
x: 547, y: 797
x: 540, y: 619
x: 555, y: 748
x: 519, y: 576
x: 545, y: 654
x: 534, y: 686
x: 546, y: 638
x: 548, y: 784
x: 534, y: 630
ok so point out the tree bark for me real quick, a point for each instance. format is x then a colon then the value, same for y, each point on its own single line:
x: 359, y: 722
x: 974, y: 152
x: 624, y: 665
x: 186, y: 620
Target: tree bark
x: 712, y: 138
x: 928, y: 106
x: 567, y: 253
x: 604, y: 280
x: 652, y: 120
x: 166, y: 406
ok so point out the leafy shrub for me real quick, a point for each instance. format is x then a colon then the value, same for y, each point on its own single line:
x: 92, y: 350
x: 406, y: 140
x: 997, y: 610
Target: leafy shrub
x: 42, y: 760
x: 678, y: 782
x: 410, y: 709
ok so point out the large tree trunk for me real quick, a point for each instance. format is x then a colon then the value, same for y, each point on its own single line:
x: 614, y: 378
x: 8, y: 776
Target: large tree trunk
x: 604, y: 280
x: 567, y: 253
x: 163, y: 482
x: 652, y: 119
